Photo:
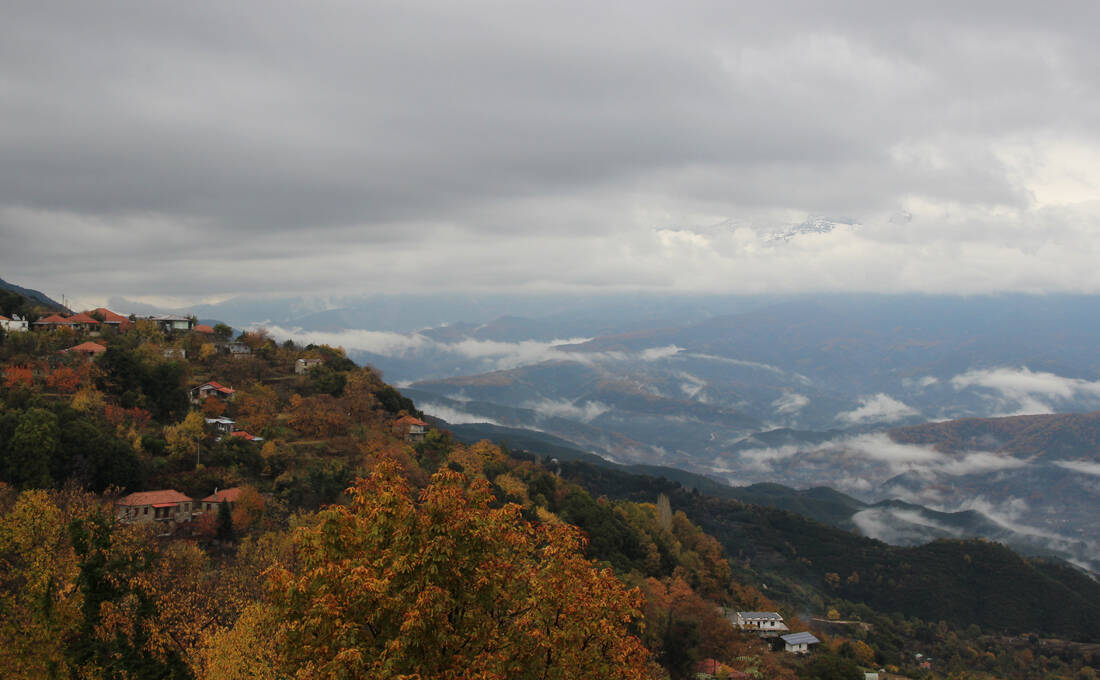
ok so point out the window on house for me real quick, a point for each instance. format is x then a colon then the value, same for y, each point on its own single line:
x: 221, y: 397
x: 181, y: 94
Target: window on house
x: 145, y: 510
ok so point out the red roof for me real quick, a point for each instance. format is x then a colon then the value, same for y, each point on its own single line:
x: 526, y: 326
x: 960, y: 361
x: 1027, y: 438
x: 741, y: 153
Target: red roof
x: 54, y: 319
x: 109, y: 316
x: 161, y: 498
x: 230, y: 495
x: 217, y: 386
x: 90, y: 347
x: 203, y: 328
x: 82, y: 318
x: 409, y: 420
x: 4, y: 318
x: 243, y: 434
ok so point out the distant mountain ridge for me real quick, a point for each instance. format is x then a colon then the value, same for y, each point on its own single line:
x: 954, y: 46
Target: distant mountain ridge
x: 37, y: 296
x: 894, y: 521
x: 1049, y: 436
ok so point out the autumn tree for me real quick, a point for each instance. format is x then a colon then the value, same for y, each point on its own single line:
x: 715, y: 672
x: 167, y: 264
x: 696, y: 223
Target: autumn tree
x: 257, y: 407
x: 184, y: 436
x: 63, y: 379
x: 441, y: 585
x: 38, y: 605
x: 317, y: 416
x: 18, y: 376
x: 212, y: 407
x: 119, y: 634
x: 248, y: 509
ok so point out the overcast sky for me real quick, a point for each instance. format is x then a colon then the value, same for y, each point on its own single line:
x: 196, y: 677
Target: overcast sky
x: 199, y: 150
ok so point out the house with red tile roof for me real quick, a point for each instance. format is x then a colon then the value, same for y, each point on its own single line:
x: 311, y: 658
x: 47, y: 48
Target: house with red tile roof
x: 50, y: 322
x: 204, y: 329
x: 211, y: 389
x: 211, y: 502
x: 413, y: 429
x: 112, y: 320
x: 83, y: 322
x: 164, y: 505
x: 90, y: 349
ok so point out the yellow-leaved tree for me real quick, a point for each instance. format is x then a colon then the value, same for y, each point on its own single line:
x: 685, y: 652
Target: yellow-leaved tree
x: 437, y: 585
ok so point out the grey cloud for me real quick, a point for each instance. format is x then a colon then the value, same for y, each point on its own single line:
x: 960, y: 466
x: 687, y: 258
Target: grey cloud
x: 492, y: 144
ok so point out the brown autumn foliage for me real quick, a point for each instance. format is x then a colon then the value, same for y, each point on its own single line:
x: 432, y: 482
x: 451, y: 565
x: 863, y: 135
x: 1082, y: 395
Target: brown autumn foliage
x: 256, y: 407
x: 319, y: 415
x: 18, y: 376
x: 213, y: 407
x: 440, y: 585
x: 63, y: 379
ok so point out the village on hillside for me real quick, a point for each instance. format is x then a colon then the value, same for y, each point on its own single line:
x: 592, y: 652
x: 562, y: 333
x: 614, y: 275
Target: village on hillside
x: 74, y: 356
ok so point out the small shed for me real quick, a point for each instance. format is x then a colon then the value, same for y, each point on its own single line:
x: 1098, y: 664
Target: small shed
x: 303, y: 366
x: 223, y: 425
x: 798, y: 643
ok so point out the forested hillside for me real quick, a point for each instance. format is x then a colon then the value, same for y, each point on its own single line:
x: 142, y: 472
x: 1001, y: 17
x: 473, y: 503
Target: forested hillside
x: 361, y: 542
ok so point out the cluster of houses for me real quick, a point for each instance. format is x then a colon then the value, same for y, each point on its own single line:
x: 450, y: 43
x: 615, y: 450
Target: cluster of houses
x: 100, y: 319
x: 171, y: 506
x: 770, y: 625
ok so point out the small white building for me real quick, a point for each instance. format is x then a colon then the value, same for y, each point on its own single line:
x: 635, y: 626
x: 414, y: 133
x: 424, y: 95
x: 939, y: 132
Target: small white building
x: 14, y: 324
x: 767, y: 624
x: 798, y: 643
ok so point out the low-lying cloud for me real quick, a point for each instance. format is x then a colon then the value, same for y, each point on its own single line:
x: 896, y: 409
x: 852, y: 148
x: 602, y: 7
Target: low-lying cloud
x: 790, y: 403
x: 564, y: 408
x: 899, y: 526
x: 1021, y: 391
x: 1084, y: 467
x: 878, y: 450
x: 453, y: 415
x: 880, y: 408
x: 484, y: 355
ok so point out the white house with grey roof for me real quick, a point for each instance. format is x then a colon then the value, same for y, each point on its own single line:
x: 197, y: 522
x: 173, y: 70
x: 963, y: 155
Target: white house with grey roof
x: 798, y: 643
x: 767, y: 624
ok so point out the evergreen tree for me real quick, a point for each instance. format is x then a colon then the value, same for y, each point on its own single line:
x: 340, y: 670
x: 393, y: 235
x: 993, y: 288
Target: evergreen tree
x: 225, y: 532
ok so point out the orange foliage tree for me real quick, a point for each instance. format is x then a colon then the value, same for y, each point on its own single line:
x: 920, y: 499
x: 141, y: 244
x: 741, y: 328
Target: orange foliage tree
x: 63, y: 379
x: 213, y: 407
x: 257, y: 407
x: 317, y: 416
x: 440, y: 585
x: 18, y: 376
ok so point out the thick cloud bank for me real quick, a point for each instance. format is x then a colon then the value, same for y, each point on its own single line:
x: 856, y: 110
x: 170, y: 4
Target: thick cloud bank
x: 198, y: 149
